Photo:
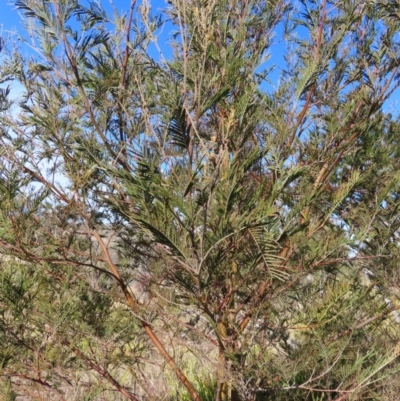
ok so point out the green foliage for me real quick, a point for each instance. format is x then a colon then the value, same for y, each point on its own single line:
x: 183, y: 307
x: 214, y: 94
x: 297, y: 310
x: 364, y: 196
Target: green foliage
x: 191, y: 227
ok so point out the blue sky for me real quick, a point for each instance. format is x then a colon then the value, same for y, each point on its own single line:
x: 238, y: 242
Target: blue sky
x: 10, y: 21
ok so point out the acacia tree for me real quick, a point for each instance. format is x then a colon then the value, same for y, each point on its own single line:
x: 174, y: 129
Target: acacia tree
x: 260, y: 218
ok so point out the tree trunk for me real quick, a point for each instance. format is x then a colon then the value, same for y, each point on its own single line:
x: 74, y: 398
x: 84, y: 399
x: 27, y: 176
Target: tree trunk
x: 225, y: 388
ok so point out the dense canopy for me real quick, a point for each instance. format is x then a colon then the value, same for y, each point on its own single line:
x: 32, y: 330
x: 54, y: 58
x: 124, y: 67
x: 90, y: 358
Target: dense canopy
x: 200, y: 201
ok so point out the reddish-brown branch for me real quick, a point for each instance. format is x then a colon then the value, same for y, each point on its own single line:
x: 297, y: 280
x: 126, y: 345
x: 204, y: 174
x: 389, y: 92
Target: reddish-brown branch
x: 146, y: 326
x: 42, y: 382
x: 101, y: 371
x: 346, y: 394
x: 46, y: 183
x: 365, y: 322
